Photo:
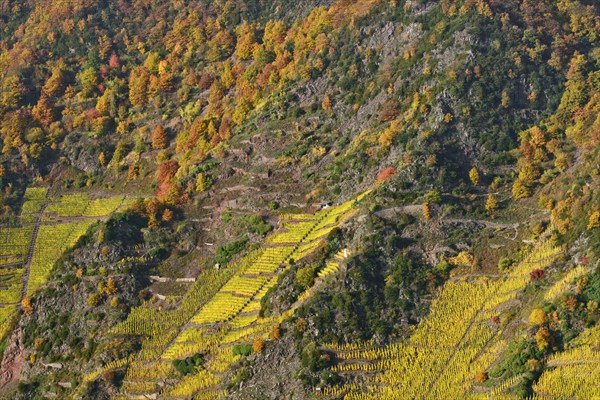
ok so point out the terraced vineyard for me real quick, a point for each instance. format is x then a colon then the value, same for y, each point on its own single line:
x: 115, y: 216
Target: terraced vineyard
x: 457, y: 340
x: 219, y: 311
x: 28, y: 252
x: 573, y: 373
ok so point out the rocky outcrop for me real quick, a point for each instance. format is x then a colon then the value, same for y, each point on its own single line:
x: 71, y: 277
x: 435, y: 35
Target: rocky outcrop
x: 12, y: 360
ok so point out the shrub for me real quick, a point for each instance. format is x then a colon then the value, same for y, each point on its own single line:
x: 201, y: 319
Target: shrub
x: 256, y: 224
x: 481, y: 377
x: 242, y: 350
x: 433, y: 196
x: 227, y: 252
x: 190, y: 364
x: 516, y: 361
x: 305, y: 277
x: 386, y: 174
x: 504, y: 264
x: 536, y: 274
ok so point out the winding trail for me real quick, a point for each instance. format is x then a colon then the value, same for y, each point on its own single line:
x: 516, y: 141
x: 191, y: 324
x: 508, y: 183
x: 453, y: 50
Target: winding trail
x: 416, y: 209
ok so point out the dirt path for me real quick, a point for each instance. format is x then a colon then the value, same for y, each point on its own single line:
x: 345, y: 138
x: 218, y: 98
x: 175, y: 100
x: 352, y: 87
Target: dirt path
x: 488, y: 224
x: 417, y: 209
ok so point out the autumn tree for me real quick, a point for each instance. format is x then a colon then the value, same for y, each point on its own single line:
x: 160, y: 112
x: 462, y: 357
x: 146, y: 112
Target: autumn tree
x: 275, y: 332
x: 275, y: 32
x: 241, y: 111
x: 166, y: 76
x: 258, y: 346
x: 543, y: 338
x: 215, y: 95
x: 94, y: 299
x: 167, y: 215
x: 528, y: 173
x: 55, y: 82
x: 168, y: 191
x: 426, y: 211
x: 386, y: 174
x: 159, y: 137
x: 200, y: 183
x: 246, y: 41
x: 104, y: 103
x: 387, y: 136
x: 114, y: 61
x: 110, y: 287
x: 225, y: 128
x: 120, y: 152
x: 151, y: 62
x: 26, y: 305
x: 575, y: 88
x: 11, y: 92
x: 326, y: 103
x: 537, y: 317
x: 205, y: 81
x: 138, y: 86
x: 43, y: 111
x: 474, y: 176
x: 481, y: 377
x: 301, y: 325
x: 519, y: 190
x: 132, y: 172
x: 220, y: 46
x: 594, y: 220
x: 536, y: 274
x: 167, y: 170
x: 491, y: 204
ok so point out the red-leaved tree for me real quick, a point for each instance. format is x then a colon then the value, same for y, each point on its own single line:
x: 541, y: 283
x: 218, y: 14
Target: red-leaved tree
x: 386, y: 174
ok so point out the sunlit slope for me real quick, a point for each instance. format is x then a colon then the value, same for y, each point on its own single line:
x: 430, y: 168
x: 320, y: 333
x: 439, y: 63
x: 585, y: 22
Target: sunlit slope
x: 49, y: 225
x: 219, y: 311
x: 458, y: 339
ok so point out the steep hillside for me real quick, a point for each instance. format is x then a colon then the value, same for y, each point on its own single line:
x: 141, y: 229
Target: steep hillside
x: 265, y: 199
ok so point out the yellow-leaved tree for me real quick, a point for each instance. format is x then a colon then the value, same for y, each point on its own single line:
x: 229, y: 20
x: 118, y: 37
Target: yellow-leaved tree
x: 474, y: 176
